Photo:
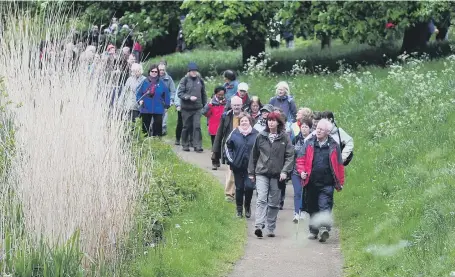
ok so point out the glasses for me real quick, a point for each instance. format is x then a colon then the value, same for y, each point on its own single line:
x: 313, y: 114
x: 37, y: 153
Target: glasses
x: 162, y: 70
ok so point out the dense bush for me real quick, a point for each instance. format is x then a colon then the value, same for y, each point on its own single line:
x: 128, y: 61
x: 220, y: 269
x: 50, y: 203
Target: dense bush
x: 214, y: 62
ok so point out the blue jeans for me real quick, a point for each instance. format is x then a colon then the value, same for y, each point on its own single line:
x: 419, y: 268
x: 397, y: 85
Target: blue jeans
x: 298, y: 193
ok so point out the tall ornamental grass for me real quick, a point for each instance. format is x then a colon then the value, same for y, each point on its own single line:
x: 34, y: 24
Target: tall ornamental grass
x: 71, y: 175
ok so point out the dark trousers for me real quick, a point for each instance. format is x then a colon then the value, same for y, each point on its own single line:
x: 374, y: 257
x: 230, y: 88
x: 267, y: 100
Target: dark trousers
x: 156, y: 129
x: 319, y: 199
x: 191, y: 124
x: 243, y: 189
x: 212, y: 138
x: 179, y: 128
x: 134, y: 115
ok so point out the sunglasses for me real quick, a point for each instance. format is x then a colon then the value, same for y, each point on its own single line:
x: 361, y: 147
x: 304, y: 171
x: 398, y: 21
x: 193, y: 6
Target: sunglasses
x: 154, y: 71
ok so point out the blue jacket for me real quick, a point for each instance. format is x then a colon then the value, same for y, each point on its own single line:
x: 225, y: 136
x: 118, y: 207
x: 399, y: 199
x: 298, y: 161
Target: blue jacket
x: 231, y: 89
x: 287, y: 104
x: 156, y: 104
x: 238, y: 149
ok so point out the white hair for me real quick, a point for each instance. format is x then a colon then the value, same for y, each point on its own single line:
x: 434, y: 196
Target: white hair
x: 137, y: 67
x: 283, y: 85
x: 126, y: 50
x: 326, y: 124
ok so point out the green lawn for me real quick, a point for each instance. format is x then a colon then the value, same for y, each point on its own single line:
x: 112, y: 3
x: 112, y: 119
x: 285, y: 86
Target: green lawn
x: 396, y: 212
x: 201, y: 236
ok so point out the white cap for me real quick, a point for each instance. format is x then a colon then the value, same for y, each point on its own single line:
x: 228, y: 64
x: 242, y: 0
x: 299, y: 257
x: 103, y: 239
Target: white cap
x: 243, y: 86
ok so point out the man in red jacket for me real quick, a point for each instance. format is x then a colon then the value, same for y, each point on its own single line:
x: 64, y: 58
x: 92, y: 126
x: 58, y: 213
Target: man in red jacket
x: 321, y: 168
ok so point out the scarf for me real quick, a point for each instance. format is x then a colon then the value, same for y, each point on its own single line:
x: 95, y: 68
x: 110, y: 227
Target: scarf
x: 243, y: 98
x: 153, y: 84
x: 273, y: 137
x: 245, y: 131
x: 254, y: 115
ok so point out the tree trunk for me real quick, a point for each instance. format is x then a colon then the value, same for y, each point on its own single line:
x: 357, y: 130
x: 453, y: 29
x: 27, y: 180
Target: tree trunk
x: 326, y: 41
x: 252, y: 47
x: 415, y: 38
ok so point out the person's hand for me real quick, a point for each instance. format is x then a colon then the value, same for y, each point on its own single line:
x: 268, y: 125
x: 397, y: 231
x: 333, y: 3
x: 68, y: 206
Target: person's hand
x: 303, y: 175
x: 436, y: 31
x: 193, y: 98
x: 178, y: 108
x: 283, y: 176
x: 252, y: 178
x: 141, y: 102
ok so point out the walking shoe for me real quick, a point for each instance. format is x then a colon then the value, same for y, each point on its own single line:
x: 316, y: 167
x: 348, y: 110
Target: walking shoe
x: 247, y: 211
x: 186, y: 149
x: 312, y: 236
x: 258, y: 233
x: 229, y: 199
x: 239, y: 214
x: 296, y: 218
x: 198, y: 150
x: 281, y: 205
x: 177, y: 142
x: 324, y: 234
x: 214, y: 167
x: 271, y: 234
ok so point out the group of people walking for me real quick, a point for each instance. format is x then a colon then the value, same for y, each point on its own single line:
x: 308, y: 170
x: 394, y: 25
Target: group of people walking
x: 265, y: 146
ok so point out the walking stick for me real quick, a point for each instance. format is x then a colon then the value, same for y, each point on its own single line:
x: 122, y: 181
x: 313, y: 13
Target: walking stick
x: 300, y: 213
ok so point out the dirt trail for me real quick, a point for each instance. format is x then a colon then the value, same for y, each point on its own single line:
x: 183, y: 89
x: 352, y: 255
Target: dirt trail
x: 288, y: 254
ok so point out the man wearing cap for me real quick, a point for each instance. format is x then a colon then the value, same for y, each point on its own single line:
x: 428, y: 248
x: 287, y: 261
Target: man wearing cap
x: 242, y: 92
x: 227, y: 124
x: 193, y: 98
x: 262, y: 122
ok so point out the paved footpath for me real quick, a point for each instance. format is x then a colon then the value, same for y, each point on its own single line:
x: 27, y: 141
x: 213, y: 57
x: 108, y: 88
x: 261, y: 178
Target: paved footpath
x: 289, y: 254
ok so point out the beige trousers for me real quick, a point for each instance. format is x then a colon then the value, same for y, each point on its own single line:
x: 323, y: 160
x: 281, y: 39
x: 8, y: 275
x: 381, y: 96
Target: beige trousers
x: 229, y: 188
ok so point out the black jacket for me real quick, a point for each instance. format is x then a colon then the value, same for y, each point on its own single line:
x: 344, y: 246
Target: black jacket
x: 223, y: 132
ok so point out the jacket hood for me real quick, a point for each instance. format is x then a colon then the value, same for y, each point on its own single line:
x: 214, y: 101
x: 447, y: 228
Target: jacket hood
x: 334, y: 130
x: 266, y: 134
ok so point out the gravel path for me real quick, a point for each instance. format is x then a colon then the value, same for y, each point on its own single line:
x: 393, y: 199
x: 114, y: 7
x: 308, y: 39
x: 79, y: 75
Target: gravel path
x: 289, y: 254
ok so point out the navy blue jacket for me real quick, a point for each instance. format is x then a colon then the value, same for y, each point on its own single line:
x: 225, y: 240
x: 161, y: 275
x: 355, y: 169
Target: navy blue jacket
x: 238, y: 149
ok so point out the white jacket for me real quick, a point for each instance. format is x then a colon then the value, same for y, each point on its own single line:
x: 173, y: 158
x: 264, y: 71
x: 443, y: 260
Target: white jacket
x: 346, y: 139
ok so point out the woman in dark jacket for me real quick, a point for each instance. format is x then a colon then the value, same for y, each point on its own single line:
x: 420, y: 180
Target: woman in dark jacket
x: 271, y: 162
x: 237, y: 149
x: 154, y: 99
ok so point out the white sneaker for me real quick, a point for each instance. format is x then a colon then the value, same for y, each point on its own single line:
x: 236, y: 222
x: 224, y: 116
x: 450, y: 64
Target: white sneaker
x: 302, y: 215
x: 296, y: 218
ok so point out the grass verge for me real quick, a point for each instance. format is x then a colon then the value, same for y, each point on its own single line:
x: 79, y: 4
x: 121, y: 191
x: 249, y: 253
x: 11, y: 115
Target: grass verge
x: 201, y: 237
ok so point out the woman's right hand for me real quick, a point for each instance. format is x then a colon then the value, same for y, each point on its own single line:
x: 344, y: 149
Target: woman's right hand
x: 303, y: 175
x: 141, y: 102
x: 252, y: 178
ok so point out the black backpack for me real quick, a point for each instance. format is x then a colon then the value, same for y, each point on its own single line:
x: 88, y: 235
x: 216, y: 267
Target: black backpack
x: 342, y: 145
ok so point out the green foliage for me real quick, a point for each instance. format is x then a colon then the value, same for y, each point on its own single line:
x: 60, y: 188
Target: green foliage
x: 212, y: 22
x: 363, y: 22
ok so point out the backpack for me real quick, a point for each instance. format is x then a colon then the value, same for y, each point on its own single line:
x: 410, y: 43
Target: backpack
x: 342, y: 145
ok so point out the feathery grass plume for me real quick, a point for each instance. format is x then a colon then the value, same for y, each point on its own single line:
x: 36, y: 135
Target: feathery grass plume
x: 73, y: 169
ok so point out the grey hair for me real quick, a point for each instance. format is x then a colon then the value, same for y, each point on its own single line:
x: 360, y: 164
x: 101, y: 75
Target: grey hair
x: 326, y: 123
x: 137, y: 67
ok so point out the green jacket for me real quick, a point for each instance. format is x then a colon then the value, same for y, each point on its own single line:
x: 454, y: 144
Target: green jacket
x: 271, y: 159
